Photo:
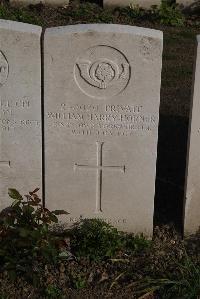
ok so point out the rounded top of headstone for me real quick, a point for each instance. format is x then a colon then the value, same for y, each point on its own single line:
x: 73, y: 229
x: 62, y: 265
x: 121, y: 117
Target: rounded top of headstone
x: 105, y: 28
x: 21, y: 27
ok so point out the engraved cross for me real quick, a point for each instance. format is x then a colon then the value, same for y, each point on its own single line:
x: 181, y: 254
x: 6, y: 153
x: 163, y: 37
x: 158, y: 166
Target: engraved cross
x: 99, y: 167
x: 5, y: 163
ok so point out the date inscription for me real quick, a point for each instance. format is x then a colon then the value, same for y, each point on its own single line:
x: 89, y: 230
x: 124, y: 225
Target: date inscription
x: 15, y: 114
x: 102, y: 120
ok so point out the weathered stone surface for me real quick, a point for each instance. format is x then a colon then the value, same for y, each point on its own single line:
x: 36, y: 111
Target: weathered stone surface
x: 124, y: 3
x: 45, y: 2
x: 102, y: 93
x: 192, y: 192
x: 186, y: 3
x: 20, y: 107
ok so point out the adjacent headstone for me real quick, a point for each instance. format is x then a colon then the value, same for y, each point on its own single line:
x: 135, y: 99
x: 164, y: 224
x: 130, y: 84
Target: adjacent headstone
x: 34, y: 2
x: 185, y: 3
x: 20, y: 107
x: 102, y: 94
x: 192, y: 192
x: 123, y: 3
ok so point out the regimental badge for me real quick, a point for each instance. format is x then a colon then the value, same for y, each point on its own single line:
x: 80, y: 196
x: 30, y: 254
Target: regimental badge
x: 102, y: 72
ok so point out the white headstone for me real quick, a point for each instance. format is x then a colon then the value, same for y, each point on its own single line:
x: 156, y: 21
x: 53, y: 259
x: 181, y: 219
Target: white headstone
x: 192, y: 192
x: 102, y: 94
x: 20, y: 107
x: 123, y: 3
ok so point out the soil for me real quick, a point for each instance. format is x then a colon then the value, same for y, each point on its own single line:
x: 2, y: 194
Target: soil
x: 117, y: 277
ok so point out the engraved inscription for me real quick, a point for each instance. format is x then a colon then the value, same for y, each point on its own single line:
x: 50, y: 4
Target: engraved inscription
x: 10, y: 113
x: 99, y: 167
x: 102, y: 120
x: 4, y: 69
x: 102, y: 72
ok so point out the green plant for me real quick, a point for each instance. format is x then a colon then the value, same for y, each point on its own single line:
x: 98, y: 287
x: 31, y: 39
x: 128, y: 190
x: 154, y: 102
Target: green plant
x: 96, y: 239
x: 133, y: 12
x: 136, y: 11
x: 80, y: 282
x: 168, y: 14
x: 184, y: 283
x: 136, y: 243
x: 25, y: 238
x: 19, y: 14
x: 52, y: 291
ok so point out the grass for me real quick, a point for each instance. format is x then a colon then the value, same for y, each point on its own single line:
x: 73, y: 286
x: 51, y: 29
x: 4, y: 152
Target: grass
x: 97, y: 240
x: 184, y: 284
x: 91, y: 13
x: 46, y: 262
x: 164, y: 268
x: 187, y: 34
x: 19, y: 14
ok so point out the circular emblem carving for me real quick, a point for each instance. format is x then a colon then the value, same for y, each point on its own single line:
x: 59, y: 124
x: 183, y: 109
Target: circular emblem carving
x: 3, y: 69
x: 102, y: 72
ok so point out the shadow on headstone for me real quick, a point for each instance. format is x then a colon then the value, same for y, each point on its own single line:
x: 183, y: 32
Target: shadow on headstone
x: 171, y: 163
